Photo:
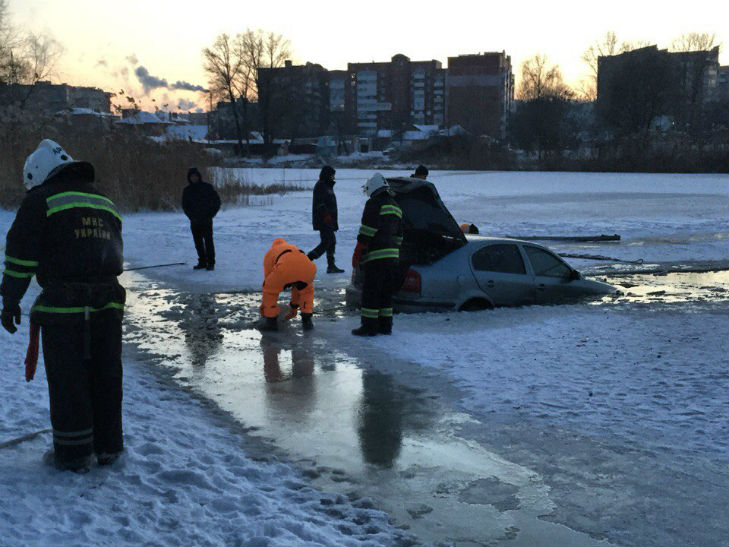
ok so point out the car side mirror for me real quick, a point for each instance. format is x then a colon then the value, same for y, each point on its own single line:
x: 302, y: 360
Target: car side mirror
x: 574, y: 275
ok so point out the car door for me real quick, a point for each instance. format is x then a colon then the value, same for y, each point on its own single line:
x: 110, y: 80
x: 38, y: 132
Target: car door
x: 500, y: 272
x: 552, y: 275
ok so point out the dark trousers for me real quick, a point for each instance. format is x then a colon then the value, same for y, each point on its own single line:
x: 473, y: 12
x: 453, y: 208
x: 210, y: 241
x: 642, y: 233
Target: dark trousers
x: 202, y: 235
x: 379, y: 284
x: 327, y: 244
x: 85, y: 394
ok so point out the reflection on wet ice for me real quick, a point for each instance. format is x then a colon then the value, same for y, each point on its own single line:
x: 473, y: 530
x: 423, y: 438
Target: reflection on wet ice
x: 302, y: 360
x: 201, y: 328
x: 380, y: 420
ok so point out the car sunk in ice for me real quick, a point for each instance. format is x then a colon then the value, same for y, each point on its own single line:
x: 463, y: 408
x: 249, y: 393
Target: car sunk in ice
x: 444, y: 269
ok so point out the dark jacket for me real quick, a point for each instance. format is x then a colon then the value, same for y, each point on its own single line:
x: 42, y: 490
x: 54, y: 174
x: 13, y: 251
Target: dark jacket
x: 381, y: 229
x: 68, y: 234
x: 324, y: 204
x: 200, y: 201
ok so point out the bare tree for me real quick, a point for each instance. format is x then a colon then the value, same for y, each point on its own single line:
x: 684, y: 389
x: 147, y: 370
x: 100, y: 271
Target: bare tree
x: 604, y: 47
x: 608, y: 45
x: 539, y: 79
x: 42, y: 54
x: 225, y: 69
x: 265, y: 50
x: 25, y: 58
x: 694, y: 41
x: 233, y: 66
x: 12, y: 67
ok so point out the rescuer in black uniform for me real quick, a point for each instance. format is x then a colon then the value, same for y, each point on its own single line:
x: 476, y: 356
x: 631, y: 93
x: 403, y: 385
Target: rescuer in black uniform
x: 378, y: 251
x: 201, y: 203
x: 324, y: 218
x: 69, y: 236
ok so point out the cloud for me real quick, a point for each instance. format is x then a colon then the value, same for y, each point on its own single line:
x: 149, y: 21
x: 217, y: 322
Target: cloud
x: 148, y: 81
x: 184, y: 104
x: 101, y: 62
x: 133, y: 59
x: 186, y: 86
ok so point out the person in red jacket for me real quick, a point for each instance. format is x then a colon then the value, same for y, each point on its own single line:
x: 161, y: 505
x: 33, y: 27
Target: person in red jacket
x: 285, y: 266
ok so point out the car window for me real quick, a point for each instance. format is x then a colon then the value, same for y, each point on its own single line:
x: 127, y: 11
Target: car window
x: 545, y: 263
x: 503, y: 258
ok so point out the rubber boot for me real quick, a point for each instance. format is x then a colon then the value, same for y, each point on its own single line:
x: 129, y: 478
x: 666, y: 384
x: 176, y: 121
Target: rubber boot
x: 385, y: 325
x: 270, y: 324
x: 201, y: 265
x: 332, y: 268
x: 306, y: 322
x: 107, y: 458
x: 367, y: 328
x: 79, y: 465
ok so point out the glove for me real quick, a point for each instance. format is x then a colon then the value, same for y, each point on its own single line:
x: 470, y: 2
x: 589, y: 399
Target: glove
x: 10, y: 312
x: 357, y: 255
x: 293, y: 310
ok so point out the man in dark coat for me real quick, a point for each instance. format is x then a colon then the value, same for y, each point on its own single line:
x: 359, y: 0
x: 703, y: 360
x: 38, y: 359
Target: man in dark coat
x: 324, y: 217
x: 201, y: 203
x: 68, y: 234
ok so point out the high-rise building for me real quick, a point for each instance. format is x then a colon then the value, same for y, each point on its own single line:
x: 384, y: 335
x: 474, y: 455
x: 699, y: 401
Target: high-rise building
x: 392, y: 95
x: 387, y: 98
x: 480, y: 93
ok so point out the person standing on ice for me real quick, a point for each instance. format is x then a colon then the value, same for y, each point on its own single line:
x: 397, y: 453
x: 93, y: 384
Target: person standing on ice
x: 324, y: 217
x: 378, y: 251
x: 201, y: 203
x: 285, y: 266
x: 421, y: 172
x: 68, y: 234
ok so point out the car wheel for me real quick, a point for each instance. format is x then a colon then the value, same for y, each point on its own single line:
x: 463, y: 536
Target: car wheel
x: 475, y: 304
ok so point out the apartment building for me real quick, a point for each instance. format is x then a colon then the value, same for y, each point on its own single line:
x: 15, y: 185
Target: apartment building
x: 480, y: 93
x: 378, y: 99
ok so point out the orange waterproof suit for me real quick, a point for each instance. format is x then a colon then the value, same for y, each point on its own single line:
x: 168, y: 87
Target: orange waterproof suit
x: 286, y: 266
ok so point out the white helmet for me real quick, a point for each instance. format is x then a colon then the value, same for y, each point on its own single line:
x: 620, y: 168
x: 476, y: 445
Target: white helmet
x: 374, y: 183
x: 42, y: 162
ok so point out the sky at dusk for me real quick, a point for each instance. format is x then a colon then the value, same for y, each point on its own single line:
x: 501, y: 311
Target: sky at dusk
x: 106, y: 42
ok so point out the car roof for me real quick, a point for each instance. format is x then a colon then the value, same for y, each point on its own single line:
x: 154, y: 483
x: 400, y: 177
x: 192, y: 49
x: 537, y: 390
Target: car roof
x: 476, y: 238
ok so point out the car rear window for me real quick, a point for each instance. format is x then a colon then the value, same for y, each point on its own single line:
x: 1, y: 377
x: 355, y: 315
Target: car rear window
x: 545, y: 263
x: 503, y: 258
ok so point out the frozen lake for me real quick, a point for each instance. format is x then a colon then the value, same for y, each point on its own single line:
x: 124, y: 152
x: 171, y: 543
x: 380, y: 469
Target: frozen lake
x: 599, y: 423
x: 563, y: 425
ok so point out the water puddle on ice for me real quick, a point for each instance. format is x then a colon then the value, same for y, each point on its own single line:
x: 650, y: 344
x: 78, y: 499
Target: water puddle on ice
x: 353, y: 427
x: 694, y: 288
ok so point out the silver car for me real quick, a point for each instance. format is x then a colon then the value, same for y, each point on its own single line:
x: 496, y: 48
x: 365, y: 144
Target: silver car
x: 444, y: 269
x: 489, y: 272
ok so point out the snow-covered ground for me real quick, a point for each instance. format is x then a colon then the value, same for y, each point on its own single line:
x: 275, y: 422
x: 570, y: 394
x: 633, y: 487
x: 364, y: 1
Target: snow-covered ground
x: 620, y: 412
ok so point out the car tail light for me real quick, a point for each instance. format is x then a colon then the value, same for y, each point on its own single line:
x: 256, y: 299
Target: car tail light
x: 412, y: 282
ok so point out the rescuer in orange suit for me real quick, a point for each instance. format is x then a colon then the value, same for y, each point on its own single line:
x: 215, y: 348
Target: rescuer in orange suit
x: 469, y: 228
x: 285, y: 266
